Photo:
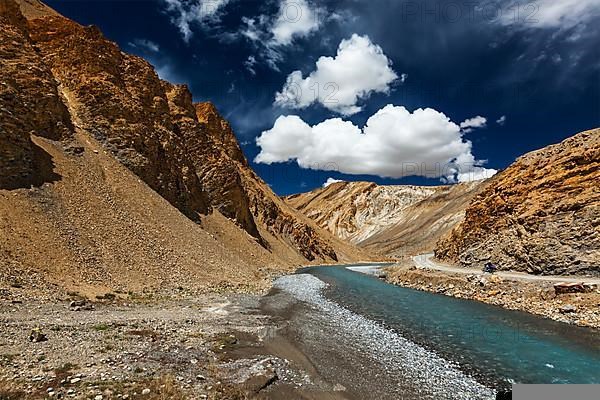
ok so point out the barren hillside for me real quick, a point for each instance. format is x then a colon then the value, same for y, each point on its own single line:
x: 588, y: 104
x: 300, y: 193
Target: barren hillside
x: 111, y: 176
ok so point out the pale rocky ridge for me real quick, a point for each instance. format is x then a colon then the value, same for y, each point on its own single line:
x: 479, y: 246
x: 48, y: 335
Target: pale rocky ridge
x: 394, y: 220
x: 90, y: 136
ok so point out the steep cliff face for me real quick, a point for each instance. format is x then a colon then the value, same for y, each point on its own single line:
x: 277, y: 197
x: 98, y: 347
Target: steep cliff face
x: 30, y: 104
x: 235, y: 189
x: 391, y: 220
x: 540, y: 215
x: 119, y: 99
x: 75, y: 113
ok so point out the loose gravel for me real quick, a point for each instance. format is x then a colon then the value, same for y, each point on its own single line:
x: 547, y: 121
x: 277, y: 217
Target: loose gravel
x: 435, y: 377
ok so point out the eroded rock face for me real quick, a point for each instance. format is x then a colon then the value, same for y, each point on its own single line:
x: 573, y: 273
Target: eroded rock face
x: 119, y: 99
x: 60, y: 78
x: 239, y: 193
x: 280, y: 219
x: 355, y: 211
x: 29, y: 104
x: 540, y: 215
x: 219, y: 162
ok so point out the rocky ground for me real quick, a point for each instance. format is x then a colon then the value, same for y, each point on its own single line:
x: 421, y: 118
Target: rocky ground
x: 211, y: 346
x: 538, y: 297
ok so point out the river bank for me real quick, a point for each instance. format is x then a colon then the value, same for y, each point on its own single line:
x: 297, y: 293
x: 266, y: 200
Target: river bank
x: 291, y: 344
x: 535, y: 297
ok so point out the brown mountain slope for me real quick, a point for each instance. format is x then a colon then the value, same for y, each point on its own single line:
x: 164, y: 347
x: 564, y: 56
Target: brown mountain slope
x: 99, y: 227
x: 69, y: 98
x: 540, y: 215
x: 392, y: 220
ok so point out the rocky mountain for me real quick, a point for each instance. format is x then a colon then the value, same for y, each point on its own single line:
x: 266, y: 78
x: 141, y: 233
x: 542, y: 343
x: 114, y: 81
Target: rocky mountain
x: 540, y: 215
x: 89, y: 136
x: 394, y: 220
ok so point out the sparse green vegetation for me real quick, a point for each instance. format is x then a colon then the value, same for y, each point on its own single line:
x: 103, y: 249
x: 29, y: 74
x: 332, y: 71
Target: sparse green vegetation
x: 101, y: 327
x: 65, y: 368
x: 223, y: 341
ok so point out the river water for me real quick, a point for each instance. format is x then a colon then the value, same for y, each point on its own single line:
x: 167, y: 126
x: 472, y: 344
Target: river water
x: 388, y: 342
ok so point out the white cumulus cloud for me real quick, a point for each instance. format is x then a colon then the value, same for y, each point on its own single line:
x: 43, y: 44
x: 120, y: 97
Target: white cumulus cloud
x: 185, y: 13
x: 501, y: 120
x: 394, y: 143
x: 359, y: 69
x: 473, y: 123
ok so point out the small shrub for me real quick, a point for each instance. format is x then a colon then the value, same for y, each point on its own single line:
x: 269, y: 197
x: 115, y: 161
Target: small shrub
x: 101, y: 327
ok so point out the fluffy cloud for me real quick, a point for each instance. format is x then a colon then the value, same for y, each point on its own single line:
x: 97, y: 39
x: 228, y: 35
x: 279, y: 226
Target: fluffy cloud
x: 338, y: 83
x: 331, y: 181
x: 501, y: 120
x: 185, y: 13
x: 473, y: 123
x: 550, y: 13
x: 393, y: 143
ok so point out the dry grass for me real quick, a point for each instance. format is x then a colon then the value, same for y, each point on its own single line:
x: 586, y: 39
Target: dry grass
x: 9, y: 391
x: 229, y: 392
x: 164, y: 388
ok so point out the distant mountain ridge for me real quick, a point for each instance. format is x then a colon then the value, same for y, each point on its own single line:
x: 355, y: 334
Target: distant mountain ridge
x: 393, y: 220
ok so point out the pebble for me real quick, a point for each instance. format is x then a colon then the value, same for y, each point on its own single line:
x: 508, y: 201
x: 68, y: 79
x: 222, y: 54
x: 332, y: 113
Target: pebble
x: 567, y: 308
x: 146, y: 392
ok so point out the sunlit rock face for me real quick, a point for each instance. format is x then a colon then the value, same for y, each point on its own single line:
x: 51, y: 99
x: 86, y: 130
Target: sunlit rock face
x: 539, y: 215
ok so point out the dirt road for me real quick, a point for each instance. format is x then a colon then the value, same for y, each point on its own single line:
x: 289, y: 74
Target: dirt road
x: 425, y: 261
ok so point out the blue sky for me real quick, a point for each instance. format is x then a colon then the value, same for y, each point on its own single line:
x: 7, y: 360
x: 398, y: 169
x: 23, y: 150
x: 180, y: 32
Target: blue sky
x: 391, y: 91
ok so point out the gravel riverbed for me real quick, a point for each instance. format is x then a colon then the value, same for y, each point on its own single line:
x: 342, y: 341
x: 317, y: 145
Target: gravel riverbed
x: 391, y: 364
